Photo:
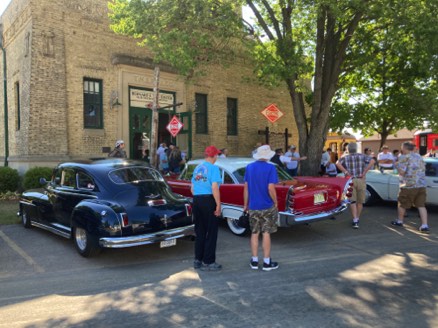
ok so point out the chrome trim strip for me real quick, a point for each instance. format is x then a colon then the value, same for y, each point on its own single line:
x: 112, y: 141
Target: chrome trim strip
x: 121, y: 242
x: 51, y: 229
x: 23, y: 202
x: 291, y: 219
x: 57, y: 225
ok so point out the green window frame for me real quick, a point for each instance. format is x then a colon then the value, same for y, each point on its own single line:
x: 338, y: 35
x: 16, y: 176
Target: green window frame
x: 17, y: 107
x: 201, y: 111
x: 93, y: 105
x: 232, y: 116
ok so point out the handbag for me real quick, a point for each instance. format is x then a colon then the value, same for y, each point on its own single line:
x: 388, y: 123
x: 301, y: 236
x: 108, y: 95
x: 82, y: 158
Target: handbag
x: 243, y: 221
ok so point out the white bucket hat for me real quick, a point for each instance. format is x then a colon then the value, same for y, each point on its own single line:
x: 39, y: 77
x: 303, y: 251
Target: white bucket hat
x: 119, y: 142
x: 264, y: 152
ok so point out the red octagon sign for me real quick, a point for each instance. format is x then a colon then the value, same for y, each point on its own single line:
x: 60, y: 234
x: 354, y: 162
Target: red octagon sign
x: 174, y: 126
x: 272, y: 113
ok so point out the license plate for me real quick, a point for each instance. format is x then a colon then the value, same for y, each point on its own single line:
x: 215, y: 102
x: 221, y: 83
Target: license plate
x: 318, y: 198
x: 168, y: 243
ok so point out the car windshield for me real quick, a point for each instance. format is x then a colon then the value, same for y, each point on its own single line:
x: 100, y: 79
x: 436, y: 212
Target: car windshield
x: 282, y: 174
x: 134, y: 175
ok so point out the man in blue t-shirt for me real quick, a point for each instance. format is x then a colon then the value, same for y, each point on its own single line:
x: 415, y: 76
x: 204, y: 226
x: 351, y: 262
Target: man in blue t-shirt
x: 260, y: 198
x: 206, y: 209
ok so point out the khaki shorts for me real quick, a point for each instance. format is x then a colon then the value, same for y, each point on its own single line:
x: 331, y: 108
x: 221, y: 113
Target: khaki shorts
x: 263, y: 220
x: 408, y: 197
x: 359, y: 190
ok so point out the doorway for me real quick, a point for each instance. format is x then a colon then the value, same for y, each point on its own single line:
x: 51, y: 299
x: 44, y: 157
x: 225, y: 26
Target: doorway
x: 140, y: 132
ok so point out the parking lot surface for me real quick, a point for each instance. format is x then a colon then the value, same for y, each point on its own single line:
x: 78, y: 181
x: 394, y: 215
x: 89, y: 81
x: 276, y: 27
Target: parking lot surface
x: 330, y: 276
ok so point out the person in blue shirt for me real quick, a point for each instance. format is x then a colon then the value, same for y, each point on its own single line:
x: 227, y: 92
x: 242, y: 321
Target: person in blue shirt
x: 206, y: 210
x: 260, y: 198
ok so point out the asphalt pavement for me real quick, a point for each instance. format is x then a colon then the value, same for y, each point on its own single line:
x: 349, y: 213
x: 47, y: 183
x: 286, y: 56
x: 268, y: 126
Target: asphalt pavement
x: 329, y: 276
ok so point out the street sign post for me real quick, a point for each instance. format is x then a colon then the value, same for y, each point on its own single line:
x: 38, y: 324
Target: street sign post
x: 174, y: 126
x: 272, y: 113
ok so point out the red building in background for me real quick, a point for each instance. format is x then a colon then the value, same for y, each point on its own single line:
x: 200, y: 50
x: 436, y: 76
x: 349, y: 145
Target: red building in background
x: 425, y: 141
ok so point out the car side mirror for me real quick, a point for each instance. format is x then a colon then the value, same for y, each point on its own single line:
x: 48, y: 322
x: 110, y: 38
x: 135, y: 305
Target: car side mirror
x: 43, y: 181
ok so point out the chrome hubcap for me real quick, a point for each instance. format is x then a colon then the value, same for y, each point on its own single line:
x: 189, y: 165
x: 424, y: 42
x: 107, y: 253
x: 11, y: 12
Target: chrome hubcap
x: 234, y: 226
x: 81, y: 238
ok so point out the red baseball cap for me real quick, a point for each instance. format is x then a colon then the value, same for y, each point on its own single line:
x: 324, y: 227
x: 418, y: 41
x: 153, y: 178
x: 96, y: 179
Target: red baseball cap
x: 211, y: 151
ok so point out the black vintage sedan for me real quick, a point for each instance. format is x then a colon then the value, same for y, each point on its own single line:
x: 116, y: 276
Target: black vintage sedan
x: 110, y: 203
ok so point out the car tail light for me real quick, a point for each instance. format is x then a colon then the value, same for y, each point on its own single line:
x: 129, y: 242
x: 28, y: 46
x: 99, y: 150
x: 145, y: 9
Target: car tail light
x: 125, y: 220
x: 348, y: 189
x: 291, y: 201
x: 189, y: 209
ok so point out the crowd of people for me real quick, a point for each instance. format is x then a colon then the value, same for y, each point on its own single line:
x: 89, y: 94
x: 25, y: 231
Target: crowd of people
x: 259, y: 194
x: 410, y: 168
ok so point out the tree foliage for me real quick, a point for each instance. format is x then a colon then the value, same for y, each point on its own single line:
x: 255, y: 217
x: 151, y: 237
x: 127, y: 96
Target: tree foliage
x: 185, y: 34
x: 306, y: 46
x: 309, y: 46
x: 390, y: 81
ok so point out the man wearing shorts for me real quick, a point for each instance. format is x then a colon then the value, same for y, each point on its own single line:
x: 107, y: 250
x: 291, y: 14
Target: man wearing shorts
x: 260, y: 199
x: 356, y: 165
x: 412, y: 172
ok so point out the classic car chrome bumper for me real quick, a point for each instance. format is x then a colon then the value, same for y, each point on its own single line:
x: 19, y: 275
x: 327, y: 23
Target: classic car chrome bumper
x: 130, y: 241
x: 286, y: 219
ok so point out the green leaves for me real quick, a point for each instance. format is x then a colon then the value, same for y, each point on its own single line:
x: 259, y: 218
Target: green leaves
x: 184, y: 33
x: 391, y: 70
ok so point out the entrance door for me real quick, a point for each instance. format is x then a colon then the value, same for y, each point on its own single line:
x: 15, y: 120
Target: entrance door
x: 184, y: 137
x: 423, y: 144
x: 140, y: 132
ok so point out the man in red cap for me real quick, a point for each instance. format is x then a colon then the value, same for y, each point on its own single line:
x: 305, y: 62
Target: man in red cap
x: 206, y: 209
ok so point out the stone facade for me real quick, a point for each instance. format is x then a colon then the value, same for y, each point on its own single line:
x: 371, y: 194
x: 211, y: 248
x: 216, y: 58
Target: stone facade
x: 52, y: 45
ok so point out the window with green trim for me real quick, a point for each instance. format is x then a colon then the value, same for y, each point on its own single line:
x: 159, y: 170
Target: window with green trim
x: 93, y: 113
x: 201, y: 113
x: 232, y: 116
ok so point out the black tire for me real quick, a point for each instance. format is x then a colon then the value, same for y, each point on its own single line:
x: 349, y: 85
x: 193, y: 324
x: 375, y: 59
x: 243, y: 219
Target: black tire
x: 86, y: 244
x: 371, y: 197
x: 25, y: 218
x: 235, y: 228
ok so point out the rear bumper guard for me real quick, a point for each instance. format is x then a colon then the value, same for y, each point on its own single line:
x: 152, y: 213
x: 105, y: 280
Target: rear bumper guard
x: 286, y: 219
x: 152, y: 238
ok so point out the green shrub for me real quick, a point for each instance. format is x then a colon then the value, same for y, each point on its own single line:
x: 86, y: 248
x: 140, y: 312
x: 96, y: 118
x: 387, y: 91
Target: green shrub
x: 9, y: 179
x: 32, y: 177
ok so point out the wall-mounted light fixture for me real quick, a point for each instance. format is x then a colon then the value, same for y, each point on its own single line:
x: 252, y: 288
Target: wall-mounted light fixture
x: 114, y: 100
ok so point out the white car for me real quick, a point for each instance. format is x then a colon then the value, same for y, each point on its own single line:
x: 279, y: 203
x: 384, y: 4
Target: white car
x: 385, y: 186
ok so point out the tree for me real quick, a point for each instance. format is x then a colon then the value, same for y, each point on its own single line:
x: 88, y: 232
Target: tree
x: 302, y: 44
x: 184, y: 34
x: 390, y: 80
x: 306, y: 41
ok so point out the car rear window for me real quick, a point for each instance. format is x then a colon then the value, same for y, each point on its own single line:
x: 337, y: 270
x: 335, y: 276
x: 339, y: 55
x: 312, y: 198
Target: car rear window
x: 134, y: 175
x: 282, y: 174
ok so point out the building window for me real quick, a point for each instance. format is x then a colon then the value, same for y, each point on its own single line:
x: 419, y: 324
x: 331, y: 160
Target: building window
x: 201, y: 113
x: 93, y: 104
x: 232, y: 116
x: 17, y: 106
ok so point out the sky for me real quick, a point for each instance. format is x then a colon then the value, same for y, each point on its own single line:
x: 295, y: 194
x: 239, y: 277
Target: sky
x: 3, y: 5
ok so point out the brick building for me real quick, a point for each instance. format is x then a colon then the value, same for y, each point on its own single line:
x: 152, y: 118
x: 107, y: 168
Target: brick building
x: 393, y: 141
x: 74, y: 88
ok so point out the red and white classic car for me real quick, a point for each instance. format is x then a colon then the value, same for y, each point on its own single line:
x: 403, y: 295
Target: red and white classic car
x: 300, y: 199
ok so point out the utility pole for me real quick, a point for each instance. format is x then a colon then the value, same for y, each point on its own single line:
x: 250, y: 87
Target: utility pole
x: 154, y: 128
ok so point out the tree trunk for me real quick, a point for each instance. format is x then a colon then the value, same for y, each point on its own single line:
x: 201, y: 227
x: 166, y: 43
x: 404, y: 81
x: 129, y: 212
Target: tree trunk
x: 311, y: 140
x: 154, y: 128
x: 383, y: 138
